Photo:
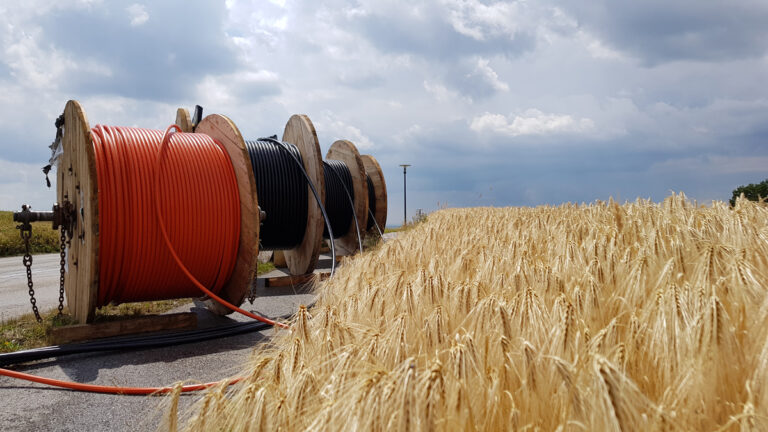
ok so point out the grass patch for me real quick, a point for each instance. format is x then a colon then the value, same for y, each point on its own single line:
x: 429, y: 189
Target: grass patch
x: 265, y: 267
x: 25, y: 332
x: 43, y: 240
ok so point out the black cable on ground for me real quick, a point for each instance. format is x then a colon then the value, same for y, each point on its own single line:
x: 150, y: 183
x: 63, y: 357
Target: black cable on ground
x: 133, y: 342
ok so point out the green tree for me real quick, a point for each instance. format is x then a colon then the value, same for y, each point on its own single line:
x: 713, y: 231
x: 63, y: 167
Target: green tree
x: 751, y: 191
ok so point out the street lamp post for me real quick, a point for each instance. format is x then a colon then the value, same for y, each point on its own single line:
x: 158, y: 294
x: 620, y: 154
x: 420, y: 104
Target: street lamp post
x: 405, y: 214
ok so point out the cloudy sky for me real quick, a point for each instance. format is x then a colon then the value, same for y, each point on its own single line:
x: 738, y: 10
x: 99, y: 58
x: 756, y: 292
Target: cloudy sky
x: 493, y: 103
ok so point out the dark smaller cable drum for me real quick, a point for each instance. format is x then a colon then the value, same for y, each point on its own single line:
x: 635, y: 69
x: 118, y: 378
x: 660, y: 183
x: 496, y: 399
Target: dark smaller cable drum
x: 282, y: 193
x: 337, y: 176
x: 371, y: 203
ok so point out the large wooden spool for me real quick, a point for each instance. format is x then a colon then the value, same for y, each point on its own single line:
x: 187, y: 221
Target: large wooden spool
x: 77, y: 182
x: 373, y: 169
x: 345, y: 151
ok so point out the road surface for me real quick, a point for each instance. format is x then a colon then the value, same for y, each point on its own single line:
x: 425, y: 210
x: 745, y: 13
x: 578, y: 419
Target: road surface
x: 14, y: 295
x: 29, y: 406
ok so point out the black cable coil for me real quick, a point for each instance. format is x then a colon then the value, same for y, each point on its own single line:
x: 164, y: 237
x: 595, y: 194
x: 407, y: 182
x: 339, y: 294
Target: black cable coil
x: 371, y: 203
x: 340, y: 212
x: 282, y: 194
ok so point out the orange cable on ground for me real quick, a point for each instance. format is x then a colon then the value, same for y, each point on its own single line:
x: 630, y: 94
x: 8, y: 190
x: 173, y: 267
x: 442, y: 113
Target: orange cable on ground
x: 93, y: 388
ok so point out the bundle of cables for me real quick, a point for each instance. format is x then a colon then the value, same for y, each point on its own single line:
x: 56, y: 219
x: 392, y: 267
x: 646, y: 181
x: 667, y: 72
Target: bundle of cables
x: 159, y: 190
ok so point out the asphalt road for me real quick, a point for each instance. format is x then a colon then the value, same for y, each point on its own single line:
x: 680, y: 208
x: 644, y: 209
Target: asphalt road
x: 14, y: 295
x: 30, y: 406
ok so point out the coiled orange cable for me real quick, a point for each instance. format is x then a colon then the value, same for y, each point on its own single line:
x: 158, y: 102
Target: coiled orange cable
x: 200, y: 205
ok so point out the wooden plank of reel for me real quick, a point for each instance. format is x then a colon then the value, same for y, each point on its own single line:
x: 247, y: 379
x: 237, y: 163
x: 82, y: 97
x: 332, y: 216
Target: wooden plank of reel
x: 373, y: 169
x: 345, y: 151
x: 183, y: 120
x: 134, y: 325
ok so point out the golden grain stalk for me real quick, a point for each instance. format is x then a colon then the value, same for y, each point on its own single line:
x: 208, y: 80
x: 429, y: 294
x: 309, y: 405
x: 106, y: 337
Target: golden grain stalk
x: 640, y: 316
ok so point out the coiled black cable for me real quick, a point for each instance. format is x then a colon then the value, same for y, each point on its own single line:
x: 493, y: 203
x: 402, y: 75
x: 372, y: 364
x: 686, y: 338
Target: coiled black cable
x: 371, y: 203
x: 338, y: 180
x: 297, y: 161
x: 282, y: 192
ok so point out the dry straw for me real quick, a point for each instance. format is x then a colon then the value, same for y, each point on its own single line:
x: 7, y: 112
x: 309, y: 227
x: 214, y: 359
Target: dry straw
x: 640, y: 316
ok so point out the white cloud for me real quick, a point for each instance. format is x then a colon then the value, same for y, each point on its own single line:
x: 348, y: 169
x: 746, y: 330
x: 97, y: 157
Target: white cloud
x: 138, y: 14
x: 489, y: 75
x: 330, y: 128
x: 232, y: 89
x: 439, y: 91
x: 531, y: 122
x: 481, y: 21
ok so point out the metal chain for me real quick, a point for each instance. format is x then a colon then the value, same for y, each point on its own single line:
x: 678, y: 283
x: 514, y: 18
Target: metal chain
x: 26, y: 233
x: 62, y: 254
x: 252, y: 292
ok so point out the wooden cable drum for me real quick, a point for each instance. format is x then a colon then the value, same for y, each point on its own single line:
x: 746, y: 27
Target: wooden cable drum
x: 377, y: 193
x: 88, y: 272
x: 280, y: 184
x: 347, y: 155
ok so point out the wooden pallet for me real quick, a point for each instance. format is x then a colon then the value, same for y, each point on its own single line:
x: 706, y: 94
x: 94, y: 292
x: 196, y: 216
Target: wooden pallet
x: 142, y: 324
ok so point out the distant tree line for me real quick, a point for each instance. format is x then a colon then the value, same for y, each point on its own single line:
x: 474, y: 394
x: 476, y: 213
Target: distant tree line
x: 754, y: 192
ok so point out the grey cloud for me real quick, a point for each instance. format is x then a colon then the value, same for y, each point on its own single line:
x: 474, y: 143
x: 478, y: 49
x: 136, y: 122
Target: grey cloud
x: 431, y: 37
x: 161, y: 59
x: 659, y: 31
x: 361, y: 81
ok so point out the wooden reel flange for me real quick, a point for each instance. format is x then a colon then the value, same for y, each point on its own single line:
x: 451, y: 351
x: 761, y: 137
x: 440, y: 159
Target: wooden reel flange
x: 373, y: 169
x: 300, y: 132
x: 224, y: 131
x: 77, y: 183
x: 345, y: 151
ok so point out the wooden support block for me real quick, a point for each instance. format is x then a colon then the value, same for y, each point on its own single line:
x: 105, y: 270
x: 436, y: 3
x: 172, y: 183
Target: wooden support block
x: 143, y: 324
x: 278, y: 259
x: 292, y: 280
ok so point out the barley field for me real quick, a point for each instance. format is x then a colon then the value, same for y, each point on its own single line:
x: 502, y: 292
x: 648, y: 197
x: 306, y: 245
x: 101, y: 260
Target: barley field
x: 600, y: 317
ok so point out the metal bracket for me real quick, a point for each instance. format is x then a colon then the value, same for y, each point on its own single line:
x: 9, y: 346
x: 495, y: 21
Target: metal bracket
x: 62, y: 216
x: 197, y: 117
